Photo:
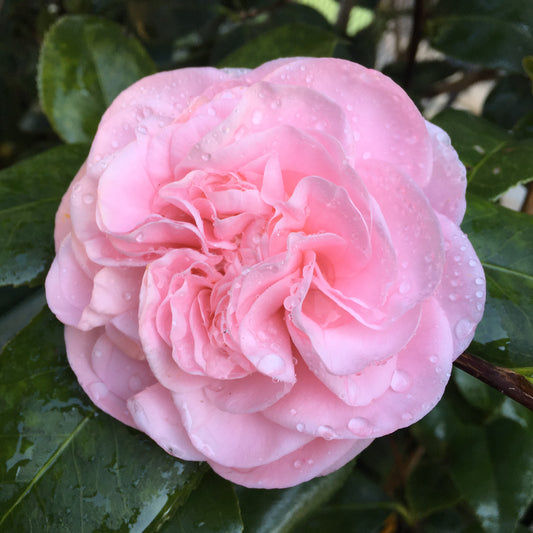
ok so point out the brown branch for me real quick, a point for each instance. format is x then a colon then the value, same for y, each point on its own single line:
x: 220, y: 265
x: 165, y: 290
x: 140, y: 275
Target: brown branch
x: 503, y: 380
x: 468, y: 79
x: 527, y: 206
x: 416, y: 36
x: 343, y: 17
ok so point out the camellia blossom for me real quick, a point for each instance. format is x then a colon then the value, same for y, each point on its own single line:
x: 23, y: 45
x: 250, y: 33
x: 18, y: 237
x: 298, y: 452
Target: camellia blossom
x: 263, y: 269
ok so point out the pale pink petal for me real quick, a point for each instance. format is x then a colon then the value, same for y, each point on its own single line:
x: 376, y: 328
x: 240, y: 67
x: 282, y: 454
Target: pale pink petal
x: 317, y: 458
x: 80, y: 353
x: 238, y: 440
x: 446, y: 189
x: 250, y: 394
x: 422, y: 371
x: 414, y: 231
x: 154, y: 412
x: 68, y: 288
x: 385, y: 122
x: 461, y: 292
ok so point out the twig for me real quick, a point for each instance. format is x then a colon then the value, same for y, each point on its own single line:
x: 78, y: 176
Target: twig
x: 527, y: 206
x: 506, y: 381
x: 345, y: 8
x: 416, y: 36
x: 469, y: 78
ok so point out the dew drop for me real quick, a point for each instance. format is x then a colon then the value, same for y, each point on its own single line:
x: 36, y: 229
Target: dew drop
x: 360, y: 426
x: 98, y: 390
x: 206, y: 157
x: 127, y: 296
x: 478, y: 281
x: 405, y: 287
x: 407, y: 416
x: 366, y: 155
x: 479, y: 294
x: 139, y: 237
x: 298, y: 463
x: 401, y: 381
x: 88, y: 199
x: 300, y: 427
x: 472, y: 263
x: 292, y: 412
x: 452, y: 297
x: 114, y: 143
x: 463, y: 328
x: 257, y: 117
x: 496, y: 170
x: 142, y: 129
x: 271, y: 364
x: 135, y: 383
x: 326, y: 432
x: 433, y: 359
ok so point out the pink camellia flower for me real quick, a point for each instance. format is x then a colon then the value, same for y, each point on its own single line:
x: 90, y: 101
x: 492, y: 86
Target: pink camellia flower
x: 263, y: 268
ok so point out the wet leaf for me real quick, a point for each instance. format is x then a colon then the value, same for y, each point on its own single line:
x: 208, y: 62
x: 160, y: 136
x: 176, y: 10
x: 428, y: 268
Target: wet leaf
x: 30, y: 192
x: 283, y: 41
x: 279, y: 511
x: 66, y: 466
x: 503, y: 240
x: 496, y: 34
x: 85, y: 63
x: 494, y: 159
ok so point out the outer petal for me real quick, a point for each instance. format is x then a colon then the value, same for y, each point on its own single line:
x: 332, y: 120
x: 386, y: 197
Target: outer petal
x: 235, y: 440
x: 154, y: 413
x: 461, y: 292
x: 446, y: 189
x: 423, y: 369
x: 386, y: 123
x: 318, y: 458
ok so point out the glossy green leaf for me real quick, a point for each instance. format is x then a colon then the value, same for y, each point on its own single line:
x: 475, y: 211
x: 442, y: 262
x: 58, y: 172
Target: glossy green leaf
x: 503, y: 240
x: 509, y: 101
x: 279, y: 511
x: 30, y: 192
x: 85, y: 63
x: 360, y: 506
x: 496, y: 34
x: 283, y: 41
x: 495, y: 160
x: 429, y: 489
x: 65, y: 466
x: 212, y: 507
x: 490, y: 461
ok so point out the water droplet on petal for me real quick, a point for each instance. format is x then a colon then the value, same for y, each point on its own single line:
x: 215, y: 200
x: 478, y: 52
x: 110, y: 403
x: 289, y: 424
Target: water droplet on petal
x: 326, y: 432
x: 139, y: 237
x: 127, y: 296
x: 407, y: 416
x: 472, y: 263
x: 404, y: 288
x: 360, y: 427
x: 271, y: 364
x: 401, y: 381
x: 257, y: 117
x: 98, y: 390
x: 88, y: 199
x: 292, y: 412
x: 478, y: 281
x: 433, y: 359
x: 206, y: 157
x: 298, y: 464
x: 135, y: 383
x: 452, y: 296
x: 142, y: 129
x: 463, y: 328
x: 300, y: 427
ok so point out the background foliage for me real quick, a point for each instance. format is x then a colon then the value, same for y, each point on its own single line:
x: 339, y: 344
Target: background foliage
x: 467, y: 467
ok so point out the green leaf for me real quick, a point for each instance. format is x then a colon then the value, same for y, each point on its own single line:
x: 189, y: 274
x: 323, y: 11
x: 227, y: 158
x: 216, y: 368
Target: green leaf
x: 279, y: 511
x: 495, y: 34
x: 527, y: 64
x: 430, y: 489
x: 30, y: 192
x: 85, y: 63
x: 495, y: 160
x: 509, y: 101
x: 212, y: 507
x: 283, y: 41
x: 490, y: 461
x: 66, y: 467
x: 503, y: 240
